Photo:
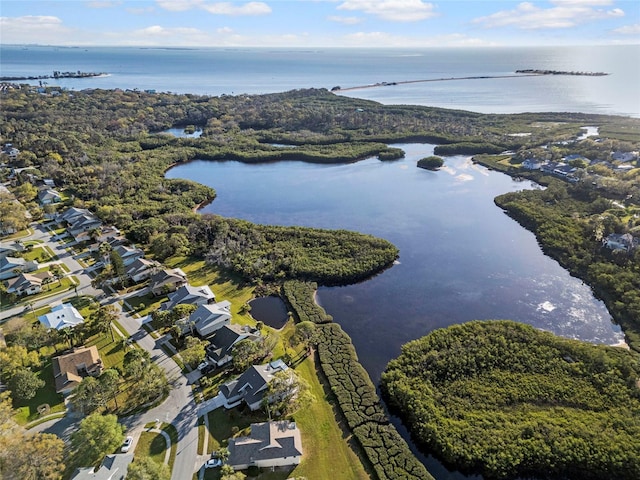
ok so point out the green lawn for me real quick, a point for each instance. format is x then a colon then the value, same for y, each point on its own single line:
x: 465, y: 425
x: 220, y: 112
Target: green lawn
x: 28, y: 411
x: 150, y: 302
x: 225, y: 285
x: 111, y: 352
x: 173, y: 435
x: 40, y: 254
x: 152, y: 445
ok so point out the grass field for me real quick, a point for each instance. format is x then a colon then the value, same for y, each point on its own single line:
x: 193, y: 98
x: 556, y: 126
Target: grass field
x: 152, y: 445
x: 28, y: 411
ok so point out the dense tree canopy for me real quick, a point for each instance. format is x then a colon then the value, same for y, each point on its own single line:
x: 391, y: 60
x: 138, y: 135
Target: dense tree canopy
x: 505, y: 399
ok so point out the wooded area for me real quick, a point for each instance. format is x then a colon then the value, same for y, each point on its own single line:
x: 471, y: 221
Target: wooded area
x: 508, y: 400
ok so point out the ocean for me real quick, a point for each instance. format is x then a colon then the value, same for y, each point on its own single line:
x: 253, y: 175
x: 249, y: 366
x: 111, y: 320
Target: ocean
x: 234, y: 71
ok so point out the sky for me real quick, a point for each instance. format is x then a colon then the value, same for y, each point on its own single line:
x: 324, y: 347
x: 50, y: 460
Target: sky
x: 320, y: 23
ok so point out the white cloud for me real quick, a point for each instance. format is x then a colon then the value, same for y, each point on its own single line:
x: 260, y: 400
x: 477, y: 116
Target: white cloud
x: 629, y: 29
x: 216, y: 8
x: 224, y: 30
x: 345, y: 20
x: 564, y: 14
x: 46, y: 29
x: 103, y: 4
x: 228, y: 8
x: 394, y: 10
x: 158, y: 31
x: 179, y: 5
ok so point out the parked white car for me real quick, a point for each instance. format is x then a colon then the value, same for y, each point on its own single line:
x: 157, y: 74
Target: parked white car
x: 126, y: 445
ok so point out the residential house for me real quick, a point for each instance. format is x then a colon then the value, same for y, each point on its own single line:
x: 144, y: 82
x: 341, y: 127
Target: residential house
x: 624, y: 156
x: 69, y: 369
x: 71, y: 214
x: 532, y: 164
x: 190, y: 295
x: 222, y: 342
x: 82, y: 226
x: 13, y: 266
x: 105, y: 234
x: 619, y: 241
x: 11, y: 152
x: 27, y: 284
x: 208, y: 318
x: 141, y: 269
x: 62, y: 316
x: 166, y: 281
x: 10, y: 249
x: 270, y: 444
x: 128, y: 254
x: 49, y: 196
x: 250, y: 387
x: 113, y: 467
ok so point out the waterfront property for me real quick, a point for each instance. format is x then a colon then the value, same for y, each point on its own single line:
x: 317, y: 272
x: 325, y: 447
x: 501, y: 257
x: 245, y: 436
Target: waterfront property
x: 222, y: 342
x: 250, y: 387
x: 208, y: 318
x: 270, y: 444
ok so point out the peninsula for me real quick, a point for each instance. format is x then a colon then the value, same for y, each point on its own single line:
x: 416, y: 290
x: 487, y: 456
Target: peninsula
x: 55, y: 75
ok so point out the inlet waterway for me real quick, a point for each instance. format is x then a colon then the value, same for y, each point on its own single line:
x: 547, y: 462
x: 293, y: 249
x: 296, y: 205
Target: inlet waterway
x: 461, y: 257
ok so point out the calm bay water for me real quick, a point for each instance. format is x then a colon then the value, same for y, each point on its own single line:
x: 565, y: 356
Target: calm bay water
x: 461, y: 257
x: 219, y: 71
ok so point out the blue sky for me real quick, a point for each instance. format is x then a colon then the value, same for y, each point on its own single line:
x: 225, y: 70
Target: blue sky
x: 320, y: 23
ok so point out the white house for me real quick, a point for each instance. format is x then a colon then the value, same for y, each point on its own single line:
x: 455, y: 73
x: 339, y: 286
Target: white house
x: 210, y: 317
x: 62, y: 316
x: 270, y: 444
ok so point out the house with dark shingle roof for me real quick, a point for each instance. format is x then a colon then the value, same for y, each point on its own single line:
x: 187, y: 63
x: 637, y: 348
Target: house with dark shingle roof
x: 250, y: 387
x: 270, y: 444
x: 167, y: 281
x: 222, y: 342
x: 27, y: 284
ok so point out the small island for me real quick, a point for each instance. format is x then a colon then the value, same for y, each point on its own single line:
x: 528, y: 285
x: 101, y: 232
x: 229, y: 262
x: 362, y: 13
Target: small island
x: 430, y: 163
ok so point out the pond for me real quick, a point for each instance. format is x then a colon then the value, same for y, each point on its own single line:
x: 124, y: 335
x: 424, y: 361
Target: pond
x: 269, y: 310
x: 180, y: 133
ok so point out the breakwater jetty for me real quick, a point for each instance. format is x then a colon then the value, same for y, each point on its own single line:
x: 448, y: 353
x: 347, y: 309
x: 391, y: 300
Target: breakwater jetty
x: 560, y: 72
x: 518, y: 74
x: 55, y: 75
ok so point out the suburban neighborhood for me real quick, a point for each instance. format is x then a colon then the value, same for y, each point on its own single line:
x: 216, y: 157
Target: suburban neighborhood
x: 67, y: 272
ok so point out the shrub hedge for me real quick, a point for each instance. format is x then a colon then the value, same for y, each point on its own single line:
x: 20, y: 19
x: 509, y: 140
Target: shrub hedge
x: 356, y: 394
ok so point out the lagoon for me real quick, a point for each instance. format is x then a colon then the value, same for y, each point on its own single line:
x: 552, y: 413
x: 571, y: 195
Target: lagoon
x: 461, y: 258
